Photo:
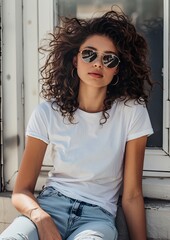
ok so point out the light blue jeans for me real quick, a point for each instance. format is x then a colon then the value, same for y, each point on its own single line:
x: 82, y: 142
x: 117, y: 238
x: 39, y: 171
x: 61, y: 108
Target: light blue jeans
x: 75, y: 220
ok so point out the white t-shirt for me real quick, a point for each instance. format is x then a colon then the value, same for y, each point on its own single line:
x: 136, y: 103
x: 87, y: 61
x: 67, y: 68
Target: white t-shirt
x: 87, y: 157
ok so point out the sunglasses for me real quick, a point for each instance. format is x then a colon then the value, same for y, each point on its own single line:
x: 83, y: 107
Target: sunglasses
x: 109, y: 60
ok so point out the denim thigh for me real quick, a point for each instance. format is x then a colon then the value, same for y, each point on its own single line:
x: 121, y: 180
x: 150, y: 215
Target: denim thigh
x: 94, y: 224
x: 76, y: 219
x: 22, y: 228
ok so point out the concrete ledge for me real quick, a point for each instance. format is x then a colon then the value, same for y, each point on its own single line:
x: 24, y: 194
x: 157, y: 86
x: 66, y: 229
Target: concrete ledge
x: 7, y: 211
x: 157, y: 217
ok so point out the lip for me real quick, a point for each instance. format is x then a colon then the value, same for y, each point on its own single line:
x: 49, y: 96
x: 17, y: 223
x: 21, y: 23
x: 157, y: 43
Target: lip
x: 95, y: 74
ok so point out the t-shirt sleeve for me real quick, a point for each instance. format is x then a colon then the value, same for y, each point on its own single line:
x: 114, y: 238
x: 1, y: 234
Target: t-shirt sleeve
x: 38, y: 124
x: 140, y: 124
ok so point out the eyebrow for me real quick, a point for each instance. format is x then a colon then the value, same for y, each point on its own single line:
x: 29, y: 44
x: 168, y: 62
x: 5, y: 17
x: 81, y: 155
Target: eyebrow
x: 93, y: 48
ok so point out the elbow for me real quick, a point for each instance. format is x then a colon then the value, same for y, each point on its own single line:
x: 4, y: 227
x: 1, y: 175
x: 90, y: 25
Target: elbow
x: 15, y: 199
x: 128, y: 199
x: 15, y: 196
x: 19, y: 197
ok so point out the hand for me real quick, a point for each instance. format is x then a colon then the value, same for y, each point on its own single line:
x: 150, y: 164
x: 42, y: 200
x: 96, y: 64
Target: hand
x: 46, y: 226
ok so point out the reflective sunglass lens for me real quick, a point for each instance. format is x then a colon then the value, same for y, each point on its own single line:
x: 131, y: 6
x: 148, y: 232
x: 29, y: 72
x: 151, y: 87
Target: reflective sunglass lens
x: 88, y: 55
x: 110, y: 61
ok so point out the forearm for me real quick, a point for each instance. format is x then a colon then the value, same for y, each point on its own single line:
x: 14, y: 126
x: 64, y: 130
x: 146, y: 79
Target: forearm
x: 26, y: 203
x: 135, y: 216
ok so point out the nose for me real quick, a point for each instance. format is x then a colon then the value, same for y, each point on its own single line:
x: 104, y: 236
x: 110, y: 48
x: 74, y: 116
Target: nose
x: 98, y: 62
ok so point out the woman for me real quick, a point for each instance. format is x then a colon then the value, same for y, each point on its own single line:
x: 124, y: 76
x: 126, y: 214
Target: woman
x: 95, y: 124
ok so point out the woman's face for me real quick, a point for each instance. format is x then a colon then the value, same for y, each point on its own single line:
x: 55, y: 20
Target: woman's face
x: 96, y: 61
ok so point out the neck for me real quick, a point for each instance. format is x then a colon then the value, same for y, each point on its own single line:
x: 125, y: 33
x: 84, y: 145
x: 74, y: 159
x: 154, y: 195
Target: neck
x: 91, y: 99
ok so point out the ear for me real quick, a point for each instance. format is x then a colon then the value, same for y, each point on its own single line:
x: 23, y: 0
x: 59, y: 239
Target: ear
x: 75, y: 61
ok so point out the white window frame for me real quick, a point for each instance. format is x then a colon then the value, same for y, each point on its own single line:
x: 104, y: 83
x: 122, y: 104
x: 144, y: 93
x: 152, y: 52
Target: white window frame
x: 12, y: 89
x: 37, y: 18
x: 157, y: 162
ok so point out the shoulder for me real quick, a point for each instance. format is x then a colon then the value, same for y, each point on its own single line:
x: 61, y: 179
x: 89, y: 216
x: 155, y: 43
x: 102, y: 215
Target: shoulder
x: 131, y: 106
x: 43, y: 110
x: 46, y: 107
x: 130, y: 103
x: 132, y: 112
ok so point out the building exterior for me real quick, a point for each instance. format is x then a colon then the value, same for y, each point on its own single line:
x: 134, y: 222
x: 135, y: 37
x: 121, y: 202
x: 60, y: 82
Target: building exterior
x: 24, y: 23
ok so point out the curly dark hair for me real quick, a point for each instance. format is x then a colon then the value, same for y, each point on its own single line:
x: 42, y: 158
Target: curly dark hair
x: 58, y: 83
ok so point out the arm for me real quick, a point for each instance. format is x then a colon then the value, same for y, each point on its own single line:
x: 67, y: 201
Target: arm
x: 23, y: 194
x: 132, y: 198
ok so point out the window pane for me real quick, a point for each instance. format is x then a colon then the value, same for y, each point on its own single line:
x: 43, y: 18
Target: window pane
x: 147, y: 15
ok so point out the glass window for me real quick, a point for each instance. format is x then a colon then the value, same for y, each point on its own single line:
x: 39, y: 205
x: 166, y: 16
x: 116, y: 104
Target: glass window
x: 147, y: 15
